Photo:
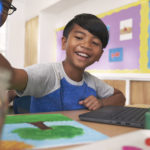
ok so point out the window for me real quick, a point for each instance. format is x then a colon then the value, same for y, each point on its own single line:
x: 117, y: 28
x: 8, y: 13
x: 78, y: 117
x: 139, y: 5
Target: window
x: 3, y: 39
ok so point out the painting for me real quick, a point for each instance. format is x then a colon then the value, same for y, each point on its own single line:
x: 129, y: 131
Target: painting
x: 45, y: 131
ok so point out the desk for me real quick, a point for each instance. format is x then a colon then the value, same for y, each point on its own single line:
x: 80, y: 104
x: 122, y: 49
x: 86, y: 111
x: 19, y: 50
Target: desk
x: 109, y: 130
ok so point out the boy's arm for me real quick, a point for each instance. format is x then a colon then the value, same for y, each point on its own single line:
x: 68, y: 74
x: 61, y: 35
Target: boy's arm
x: 116, y: 99
x: 93, y: 103
x: 18, y: 78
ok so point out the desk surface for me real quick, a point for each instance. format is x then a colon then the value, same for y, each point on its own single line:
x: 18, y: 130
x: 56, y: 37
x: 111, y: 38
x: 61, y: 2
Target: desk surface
x: 109, y: 130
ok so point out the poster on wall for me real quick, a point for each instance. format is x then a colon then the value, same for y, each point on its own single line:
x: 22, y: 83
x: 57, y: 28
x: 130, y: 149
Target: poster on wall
x: 126, y: 29
x: 116, y: 55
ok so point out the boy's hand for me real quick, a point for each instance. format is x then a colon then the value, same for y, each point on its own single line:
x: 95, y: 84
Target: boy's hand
x: 18, y: 77
x: 11, y: 95
x: 91, y: 102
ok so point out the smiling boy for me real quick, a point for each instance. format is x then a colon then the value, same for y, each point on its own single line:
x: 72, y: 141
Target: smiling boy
x: 66, y: 85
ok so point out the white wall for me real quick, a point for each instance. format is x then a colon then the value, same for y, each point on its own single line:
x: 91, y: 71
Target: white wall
x: 15, y: 36
x: 47, y: 43
x: 26, y: 9
x: 34, y: 7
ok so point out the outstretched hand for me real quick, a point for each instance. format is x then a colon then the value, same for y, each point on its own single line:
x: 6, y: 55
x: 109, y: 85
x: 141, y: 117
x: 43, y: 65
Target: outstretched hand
x: 91, y: 102
x: 11, y: 95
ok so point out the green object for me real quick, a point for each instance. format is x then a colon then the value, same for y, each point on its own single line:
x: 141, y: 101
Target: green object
x: 147, y: 120
x: 40, y: 130
x: 57, y: 132
x: 35, y: 118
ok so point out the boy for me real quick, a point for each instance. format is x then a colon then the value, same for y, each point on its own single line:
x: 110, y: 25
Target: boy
x: 66, y: 85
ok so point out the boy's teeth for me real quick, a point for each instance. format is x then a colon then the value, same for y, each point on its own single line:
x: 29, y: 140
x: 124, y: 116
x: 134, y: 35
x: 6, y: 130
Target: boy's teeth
x: 82, y: 54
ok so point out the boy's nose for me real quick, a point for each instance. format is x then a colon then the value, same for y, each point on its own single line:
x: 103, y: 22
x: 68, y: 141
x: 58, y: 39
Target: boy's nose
x: 86, y: 45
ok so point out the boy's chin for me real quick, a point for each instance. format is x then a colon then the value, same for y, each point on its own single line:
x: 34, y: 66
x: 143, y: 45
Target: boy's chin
x: 81, y: 66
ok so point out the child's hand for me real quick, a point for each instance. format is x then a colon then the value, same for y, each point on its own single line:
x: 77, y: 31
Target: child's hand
x: 91, y: 102
x: 11, y: 95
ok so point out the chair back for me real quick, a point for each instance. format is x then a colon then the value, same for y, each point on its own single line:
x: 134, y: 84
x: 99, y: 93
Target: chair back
x: 21, y: 105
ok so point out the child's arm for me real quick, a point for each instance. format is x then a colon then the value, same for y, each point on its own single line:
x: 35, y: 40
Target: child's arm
x: 92, y: 103
x: 19, y: 77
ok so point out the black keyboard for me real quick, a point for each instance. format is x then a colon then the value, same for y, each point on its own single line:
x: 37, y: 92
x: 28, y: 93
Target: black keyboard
x: 130, y: 113
x: 117, y: 115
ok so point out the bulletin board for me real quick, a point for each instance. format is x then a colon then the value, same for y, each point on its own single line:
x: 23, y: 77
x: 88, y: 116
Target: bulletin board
x: 128, y: 49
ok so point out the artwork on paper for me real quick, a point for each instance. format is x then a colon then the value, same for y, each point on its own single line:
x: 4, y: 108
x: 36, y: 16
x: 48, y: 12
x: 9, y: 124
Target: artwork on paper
x: 116, y: 54
x: 126, y: 29
x: 45, y: 131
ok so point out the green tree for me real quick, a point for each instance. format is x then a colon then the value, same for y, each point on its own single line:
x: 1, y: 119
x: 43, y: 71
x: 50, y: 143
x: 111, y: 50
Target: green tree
x: 43, y: 131
x: 36, y: 119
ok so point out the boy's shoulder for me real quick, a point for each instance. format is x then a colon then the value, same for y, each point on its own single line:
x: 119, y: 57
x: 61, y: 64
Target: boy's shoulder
x: 92, y: 81
x: 90, y: 77
x: 88, y: 74
x: 43, y: 69
x: 43, y: 65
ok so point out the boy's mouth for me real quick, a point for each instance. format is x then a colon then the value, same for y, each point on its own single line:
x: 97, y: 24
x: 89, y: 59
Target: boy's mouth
x: 82, y: 54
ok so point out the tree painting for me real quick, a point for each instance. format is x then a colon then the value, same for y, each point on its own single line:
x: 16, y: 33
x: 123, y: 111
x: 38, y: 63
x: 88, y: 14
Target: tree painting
x: 43, y: 131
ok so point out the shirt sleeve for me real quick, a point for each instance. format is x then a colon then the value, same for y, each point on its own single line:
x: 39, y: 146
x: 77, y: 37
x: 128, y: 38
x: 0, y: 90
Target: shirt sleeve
x: 103, y: 90
x: 41, y: 80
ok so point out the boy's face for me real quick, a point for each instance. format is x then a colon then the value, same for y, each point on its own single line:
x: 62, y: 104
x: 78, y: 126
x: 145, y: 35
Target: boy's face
x: 4, y: 10
x: 82, y: 47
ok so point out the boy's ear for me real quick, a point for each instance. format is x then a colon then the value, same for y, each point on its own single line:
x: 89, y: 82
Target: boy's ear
x: 63, y: 40
x: 99, y: 56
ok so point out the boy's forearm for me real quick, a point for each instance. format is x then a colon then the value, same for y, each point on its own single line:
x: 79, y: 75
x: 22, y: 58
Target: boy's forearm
x: 117, y: 99
x: 18, y: 77
x: 4, y: 64
x: 6, y: 71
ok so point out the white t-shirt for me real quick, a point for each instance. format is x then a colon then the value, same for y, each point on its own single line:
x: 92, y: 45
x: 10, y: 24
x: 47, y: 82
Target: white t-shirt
x: 52, y: 90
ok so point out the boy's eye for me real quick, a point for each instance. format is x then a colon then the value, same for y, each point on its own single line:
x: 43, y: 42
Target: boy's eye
x: 78, y: 37
x: 95, y: 43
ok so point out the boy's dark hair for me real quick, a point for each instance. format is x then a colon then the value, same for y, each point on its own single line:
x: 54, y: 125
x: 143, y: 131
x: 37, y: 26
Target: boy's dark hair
x: 91, y: 23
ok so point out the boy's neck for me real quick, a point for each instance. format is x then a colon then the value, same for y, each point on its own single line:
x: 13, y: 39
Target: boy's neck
x: 72, y: 72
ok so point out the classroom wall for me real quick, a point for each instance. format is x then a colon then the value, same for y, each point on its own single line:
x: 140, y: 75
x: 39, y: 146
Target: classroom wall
x: 34, y: 7
x: 15, y: 35
x: 26, y: 9
x: 47, y: 42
